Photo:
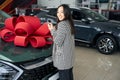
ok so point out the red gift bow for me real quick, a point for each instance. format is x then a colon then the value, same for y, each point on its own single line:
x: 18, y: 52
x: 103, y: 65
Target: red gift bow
x: 26, y: 29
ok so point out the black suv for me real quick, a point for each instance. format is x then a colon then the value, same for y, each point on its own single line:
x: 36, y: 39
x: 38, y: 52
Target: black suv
x: 91, y: 28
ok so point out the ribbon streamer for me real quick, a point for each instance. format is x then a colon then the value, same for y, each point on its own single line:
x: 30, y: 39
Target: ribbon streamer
x: 23, y: 29
x: 10, y: 23
x: 42, y: 30
x: 33, y: 21
x: 37, y: 41
x: 7, y: 35
x: 21, y: 41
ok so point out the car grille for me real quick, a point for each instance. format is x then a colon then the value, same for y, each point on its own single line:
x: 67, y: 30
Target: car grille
x: 38, y: 73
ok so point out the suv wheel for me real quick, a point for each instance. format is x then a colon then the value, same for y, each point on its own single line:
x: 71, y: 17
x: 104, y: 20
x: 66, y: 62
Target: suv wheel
x: 106, y: 44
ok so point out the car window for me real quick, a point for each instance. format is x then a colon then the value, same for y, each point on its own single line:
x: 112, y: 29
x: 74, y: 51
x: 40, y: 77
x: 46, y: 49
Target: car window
x: 3, y: 16
x: 77, y: 15
x: 52, y: 12
x: 94, y: 15
x: 41, y: 13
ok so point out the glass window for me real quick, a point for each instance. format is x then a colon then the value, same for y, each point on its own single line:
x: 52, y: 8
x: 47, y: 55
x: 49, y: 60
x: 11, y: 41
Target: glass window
x: 3, y: 16
x: 94, y: 15
x: 103, y: 1
x: 52, y: 12
x: 77, y: 15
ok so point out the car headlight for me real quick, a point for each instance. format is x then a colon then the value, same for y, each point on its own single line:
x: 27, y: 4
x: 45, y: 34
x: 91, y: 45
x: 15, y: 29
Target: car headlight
x: 9, y: 71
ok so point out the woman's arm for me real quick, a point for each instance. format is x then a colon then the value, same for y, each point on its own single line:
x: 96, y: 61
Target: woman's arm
x: 60, y: 33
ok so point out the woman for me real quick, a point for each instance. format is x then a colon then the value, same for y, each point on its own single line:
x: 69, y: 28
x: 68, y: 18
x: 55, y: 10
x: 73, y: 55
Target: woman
x: 63, y: 47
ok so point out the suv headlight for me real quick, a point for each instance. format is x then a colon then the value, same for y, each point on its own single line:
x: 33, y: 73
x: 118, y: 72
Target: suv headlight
x: 9, y: 71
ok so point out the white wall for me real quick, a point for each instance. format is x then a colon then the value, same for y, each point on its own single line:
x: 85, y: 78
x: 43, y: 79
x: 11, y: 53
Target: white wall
x: 71, y: 3
x: 55, y: 3
x: 104, y: 6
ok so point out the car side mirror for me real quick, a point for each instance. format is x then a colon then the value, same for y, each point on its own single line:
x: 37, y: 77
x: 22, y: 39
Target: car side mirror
x: 87, y: 20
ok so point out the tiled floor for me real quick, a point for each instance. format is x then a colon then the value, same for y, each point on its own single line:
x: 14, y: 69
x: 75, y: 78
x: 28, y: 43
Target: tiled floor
x: 92, y: 65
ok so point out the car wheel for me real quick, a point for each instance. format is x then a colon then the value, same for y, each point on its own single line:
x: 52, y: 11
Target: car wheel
x: 106, y: 44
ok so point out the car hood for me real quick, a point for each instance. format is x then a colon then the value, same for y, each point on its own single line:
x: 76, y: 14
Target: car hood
x: 9, y: 52
x: 108, y: 24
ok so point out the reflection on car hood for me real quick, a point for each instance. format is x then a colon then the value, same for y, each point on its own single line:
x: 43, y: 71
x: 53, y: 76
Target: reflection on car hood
x: 9, y: 52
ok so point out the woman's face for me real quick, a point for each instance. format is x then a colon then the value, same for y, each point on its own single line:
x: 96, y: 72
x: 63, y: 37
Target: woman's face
x: 60, y: 13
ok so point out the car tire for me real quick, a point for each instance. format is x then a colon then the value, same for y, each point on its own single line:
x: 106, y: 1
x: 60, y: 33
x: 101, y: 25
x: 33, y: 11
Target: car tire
x: 106, y: 44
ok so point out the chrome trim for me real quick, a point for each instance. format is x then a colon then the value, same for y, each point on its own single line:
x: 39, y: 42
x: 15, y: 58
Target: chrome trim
x: 82, y: 26
x: 39, y: 64
x: 82, y: 41
x: 54, y: 77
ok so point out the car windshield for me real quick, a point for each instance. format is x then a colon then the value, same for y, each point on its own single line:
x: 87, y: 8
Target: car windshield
x: 3, y: 16
x: 94, y: 15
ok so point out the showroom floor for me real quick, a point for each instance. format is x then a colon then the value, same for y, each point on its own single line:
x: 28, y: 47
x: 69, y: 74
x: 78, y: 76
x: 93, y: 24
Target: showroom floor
x: 92, y: 65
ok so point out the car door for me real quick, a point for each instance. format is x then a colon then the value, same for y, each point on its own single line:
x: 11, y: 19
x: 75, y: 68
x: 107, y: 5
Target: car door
x: 83, y: 31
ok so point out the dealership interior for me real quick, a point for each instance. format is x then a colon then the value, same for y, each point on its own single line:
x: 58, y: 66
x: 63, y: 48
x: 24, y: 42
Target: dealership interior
x: 89, y: 64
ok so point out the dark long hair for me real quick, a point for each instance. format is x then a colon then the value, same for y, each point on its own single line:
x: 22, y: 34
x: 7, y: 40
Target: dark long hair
x: 68, y: 16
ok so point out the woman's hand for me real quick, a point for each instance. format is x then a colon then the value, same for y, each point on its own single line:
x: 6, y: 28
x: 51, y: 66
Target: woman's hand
x: 50, y: 26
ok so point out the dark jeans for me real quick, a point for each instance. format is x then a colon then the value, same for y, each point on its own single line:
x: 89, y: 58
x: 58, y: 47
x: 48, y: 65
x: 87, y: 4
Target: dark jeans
x: 66, y: 74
